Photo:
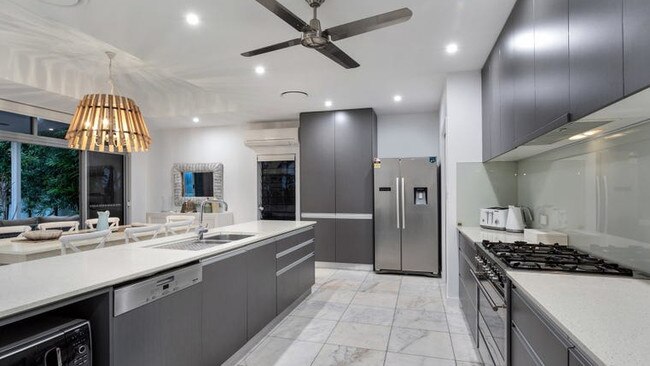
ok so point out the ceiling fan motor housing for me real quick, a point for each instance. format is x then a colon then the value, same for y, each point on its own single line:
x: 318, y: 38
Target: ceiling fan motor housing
x: 315, y: 3
x: 314, y: 38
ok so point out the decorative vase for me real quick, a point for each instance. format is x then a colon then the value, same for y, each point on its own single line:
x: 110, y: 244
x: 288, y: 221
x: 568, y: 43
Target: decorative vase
x: 102, y: 220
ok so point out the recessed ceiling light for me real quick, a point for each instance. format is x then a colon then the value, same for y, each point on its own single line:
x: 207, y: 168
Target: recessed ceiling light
x: 50, y: 129
x: 192, y: 19
x: 451, y: 48
x: 196, y: 120
x: 397, y: 98
x: 328, y: 103
x: 260, y: 70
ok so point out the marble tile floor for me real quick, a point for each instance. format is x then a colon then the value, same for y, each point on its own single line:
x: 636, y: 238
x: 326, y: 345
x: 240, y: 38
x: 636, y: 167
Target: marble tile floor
x: 357, y: 317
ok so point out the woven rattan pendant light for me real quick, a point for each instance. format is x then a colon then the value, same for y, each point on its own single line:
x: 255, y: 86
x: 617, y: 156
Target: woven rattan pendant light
x: 108, y: 122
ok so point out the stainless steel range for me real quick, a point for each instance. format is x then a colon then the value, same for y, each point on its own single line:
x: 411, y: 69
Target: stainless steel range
x: 492, y: 260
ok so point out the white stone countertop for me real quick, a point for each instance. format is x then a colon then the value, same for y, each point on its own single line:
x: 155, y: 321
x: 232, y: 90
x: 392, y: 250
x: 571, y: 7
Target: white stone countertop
x: 28, y: 285
x: 477, y: 234
x: 605, y: 316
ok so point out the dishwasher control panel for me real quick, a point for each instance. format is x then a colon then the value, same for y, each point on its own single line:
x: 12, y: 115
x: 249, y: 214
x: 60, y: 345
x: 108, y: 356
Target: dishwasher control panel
x: 138, y: 294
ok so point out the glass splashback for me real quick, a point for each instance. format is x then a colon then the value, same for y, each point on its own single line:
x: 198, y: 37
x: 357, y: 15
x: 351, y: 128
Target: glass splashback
x: 598, y: 192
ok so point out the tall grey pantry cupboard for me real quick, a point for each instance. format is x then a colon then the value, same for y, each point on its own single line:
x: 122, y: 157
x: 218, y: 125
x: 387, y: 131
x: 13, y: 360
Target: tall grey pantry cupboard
x: 336, y: 182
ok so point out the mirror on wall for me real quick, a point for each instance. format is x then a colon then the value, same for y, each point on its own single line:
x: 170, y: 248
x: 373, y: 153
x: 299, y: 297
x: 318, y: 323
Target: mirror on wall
x: 198, y: 184
x: 197, y: 181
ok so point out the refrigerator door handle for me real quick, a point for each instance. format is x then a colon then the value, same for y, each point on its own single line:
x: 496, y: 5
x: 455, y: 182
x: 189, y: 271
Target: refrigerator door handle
x: 403, y: 215
x: 397, y: 200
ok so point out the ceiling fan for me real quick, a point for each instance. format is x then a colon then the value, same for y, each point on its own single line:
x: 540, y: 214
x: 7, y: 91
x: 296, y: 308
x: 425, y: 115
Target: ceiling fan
x: 321, y: 40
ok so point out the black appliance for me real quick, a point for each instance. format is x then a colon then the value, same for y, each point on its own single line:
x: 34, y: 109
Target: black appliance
x: 555, y: 257
x: 46, y: 341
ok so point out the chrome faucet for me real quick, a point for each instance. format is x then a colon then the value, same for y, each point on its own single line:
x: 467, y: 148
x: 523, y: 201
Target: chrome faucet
x: 201, y: 230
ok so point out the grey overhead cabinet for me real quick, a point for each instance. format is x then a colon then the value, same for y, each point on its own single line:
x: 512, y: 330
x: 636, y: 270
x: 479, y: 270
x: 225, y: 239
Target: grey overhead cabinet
x: 224, y: 307
x: 636, y: 45
x: 336, y: 152
x: 521, y: 39
x: 551, y: 68
x: 595, y: 55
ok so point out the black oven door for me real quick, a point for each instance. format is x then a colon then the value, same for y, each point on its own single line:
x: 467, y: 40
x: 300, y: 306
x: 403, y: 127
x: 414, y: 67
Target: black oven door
x: 492, y: 321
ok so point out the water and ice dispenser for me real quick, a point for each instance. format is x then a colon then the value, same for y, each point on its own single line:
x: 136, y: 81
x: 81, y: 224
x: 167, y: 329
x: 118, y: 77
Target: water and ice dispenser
x: 420, y: 196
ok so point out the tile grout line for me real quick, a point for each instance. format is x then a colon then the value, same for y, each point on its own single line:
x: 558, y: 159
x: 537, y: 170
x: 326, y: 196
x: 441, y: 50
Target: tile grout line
x: 392, y: 324
x: 337, y: 322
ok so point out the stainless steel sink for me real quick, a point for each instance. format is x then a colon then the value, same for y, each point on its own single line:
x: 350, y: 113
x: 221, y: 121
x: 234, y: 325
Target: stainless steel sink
x: 193, y: 245
x: 228, y: 236
x: 206, y: 243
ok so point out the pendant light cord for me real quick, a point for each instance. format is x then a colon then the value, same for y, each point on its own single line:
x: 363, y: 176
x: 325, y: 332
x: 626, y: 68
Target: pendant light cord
x: 110, y: 55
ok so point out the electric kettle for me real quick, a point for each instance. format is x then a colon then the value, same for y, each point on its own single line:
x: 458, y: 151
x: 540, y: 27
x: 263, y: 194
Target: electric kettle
x: 518, y: 219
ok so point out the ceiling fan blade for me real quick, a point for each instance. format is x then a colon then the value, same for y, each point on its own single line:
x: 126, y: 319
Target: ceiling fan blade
x: 284, y: 13
x: 275, y: 47
x: 369, y: 24
x: 337, y: 55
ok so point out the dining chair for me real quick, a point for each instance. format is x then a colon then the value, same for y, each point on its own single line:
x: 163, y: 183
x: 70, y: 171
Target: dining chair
x: 68, y: 241
x: 20, y: 230
x: 132, y: 233
x: 178, y: 227
x: 112, y: 222
x: 176, y: 218
x: 72, y: 226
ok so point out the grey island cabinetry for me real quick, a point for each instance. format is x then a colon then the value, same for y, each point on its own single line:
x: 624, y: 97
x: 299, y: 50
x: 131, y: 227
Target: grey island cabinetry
x: 224, y: 292
x: 186, y: 308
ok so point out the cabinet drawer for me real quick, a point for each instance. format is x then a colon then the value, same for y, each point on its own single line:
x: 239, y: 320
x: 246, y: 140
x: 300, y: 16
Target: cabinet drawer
x: 294, y: 239
x: 520, y: 353
x: 544, y: 341
x: 294, y: 253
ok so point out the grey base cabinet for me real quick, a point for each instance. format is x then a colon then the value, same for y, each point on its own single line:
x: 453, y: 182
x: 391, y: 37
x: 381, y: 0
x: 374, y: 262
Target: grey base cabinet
x: 261, y: 287
x: 166, y: 332
x: 325, y: 232
x: 354, y: 241
x: 224, y: 308
x: 295, y: 268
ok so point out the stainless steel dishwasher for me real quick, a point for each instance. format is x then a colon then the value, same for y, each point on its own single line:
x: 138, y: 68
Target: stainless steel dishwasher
x: 157, y: 321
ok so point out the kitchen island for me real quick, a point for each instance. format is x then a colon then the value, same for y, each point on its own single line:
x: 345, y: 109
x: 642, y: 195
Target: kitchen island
x: 598, y: 319
x: 261, y: 276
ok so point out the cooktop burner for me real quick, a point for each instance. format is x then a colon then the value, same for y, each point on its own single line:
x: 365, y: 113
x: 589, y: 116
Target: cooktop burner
x: 544, y: 257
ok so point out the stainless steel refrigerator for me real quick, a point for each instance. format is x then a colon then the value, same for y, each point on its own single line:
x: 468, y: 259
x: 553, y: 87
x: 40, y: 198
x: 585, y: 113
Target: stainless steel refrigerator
x: 406, y: 216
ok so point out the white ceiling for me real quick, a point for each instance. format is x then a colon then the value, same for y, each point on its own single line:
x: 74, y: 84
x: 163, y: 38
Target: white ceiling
x: 52, y: 55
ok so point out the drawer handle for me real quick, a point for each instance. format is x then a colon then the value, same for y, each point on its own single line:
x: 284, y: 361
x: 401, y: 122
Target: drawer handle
x: 292, y: 265
x: 293, y: 249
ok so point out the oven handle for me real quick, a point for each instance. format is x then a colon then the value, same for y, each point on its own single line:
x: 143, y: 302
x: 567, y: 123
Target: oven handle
x: 491, y: 301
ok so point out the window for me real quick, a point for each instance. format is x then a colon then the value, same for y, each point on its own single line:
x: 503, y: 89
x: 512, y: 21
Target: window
x: 49, y: 128
x: 49, y: 181
x: 40, y: 176
x: 5, y: 179
x: 17, y: 123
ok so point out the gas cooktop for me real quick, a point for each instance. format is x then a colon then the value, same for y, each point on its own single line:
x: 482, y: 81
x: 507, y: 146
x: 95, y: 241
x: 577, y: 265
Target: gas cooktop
x: 545, y: 257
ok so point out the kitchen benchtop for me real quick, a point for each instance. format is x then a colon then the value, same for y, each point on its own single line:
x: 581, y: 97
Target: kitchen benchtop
x: 605, y: 316
x: 28, y: 285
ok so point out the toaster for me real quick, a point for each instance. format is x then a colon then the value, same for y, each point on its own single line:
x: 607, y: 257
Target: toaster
x: 494, y: 218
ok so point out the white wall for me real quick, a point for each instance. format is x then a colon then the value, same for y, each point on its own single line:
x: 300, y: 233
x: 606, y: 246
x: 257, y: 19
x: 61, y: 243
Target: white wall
x: 152, y: 184
x: 460, y: 113
x: 407, y: 135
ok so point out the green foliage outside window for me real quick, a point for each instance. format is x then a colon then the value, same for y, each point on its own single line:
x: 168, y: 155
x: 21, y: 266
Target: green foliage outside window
x: 50, y: 180
x: 5, y: 178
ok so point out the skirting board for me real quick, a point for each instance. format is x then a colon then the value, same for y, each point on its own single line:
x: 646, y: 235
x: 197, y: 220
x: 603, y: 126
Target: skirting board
x: 350, y: 266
